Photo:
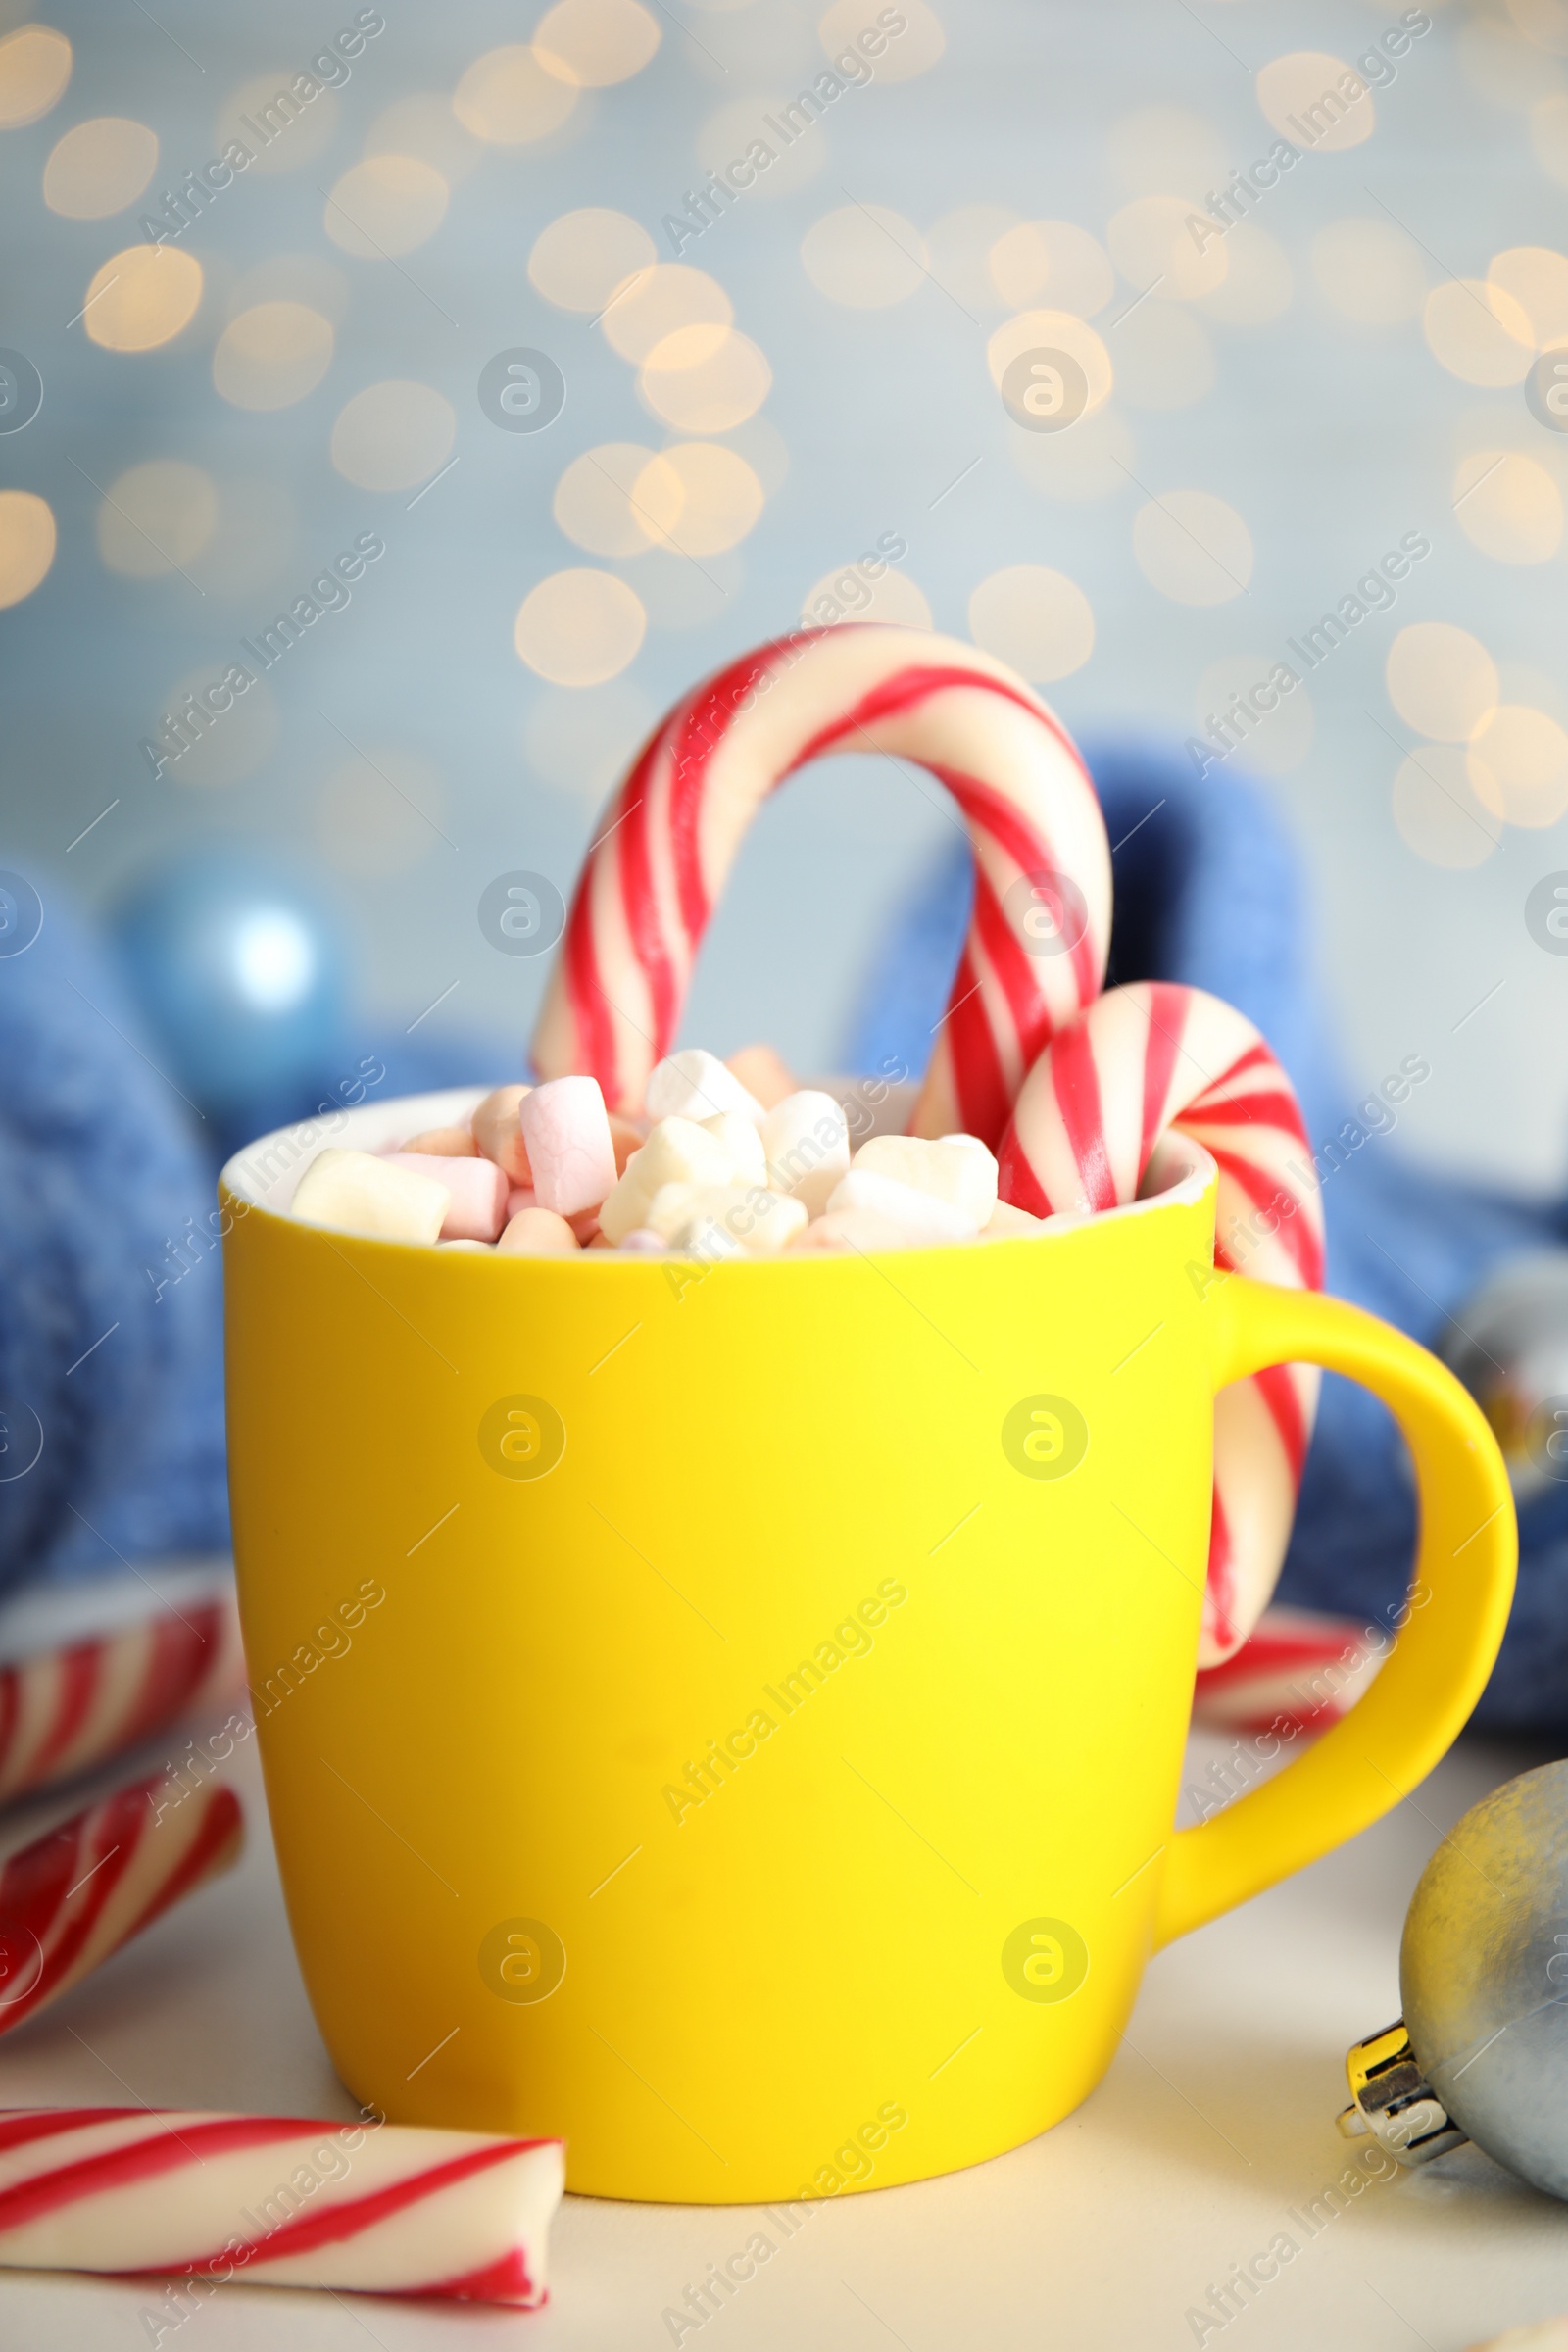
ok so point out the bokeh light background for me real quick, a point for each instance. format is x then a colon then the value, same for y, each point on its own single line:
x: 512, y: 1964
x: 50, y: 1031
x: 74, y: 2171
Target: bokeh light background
x: 749, y: 411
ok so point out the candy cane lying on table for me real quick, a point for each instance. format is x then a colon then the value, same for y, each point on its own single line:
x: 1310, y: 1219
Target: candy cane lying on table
x: 1140, y: 1060
x: 77, y: 1895
x: 276, y: 2201
x: 1036, y: 947
x: 70, y: 1708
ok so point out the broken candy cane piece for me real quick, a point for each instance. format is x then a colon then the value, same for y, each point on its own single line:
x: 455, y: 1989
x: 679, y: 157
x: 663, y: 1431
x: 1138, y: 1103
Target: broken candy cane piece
x: 476, y: 1188
x: 385, y: 2210
x: 354, y: 1192
x: 565, y: 1133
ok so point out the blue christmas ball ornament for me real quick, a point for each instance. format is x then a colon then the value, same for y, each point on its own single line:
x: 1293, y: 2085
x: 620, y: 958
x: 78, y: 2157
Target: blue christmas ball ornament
x: 238, y: 970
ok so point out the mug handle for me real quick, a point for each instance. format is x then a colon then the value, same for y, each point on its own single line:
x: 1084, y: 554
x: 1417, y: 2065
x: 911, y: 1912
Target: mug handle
x: 1464, y: 1567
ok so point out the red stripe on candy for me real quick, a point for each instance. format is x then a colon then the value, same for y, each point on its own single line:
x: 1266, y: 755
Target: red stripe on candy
x: 160, y: 2151
x: 1167, y: 1020
x: 80, y: 1669
x: 1279, y: 1394
x: 1075, y: 1080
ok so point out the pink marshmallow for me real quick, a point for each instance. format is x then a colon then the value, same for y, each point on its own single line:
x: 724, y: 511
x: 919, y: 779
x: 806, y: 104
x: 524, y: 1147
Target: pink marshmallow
x: 521, y: 1195
x: 477, y: 1209
x: 571, y: 1153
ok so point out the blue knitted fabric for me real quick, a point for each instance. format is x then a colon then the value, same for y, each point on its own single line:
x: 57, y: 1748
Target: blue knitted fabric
x: 1208, y: 892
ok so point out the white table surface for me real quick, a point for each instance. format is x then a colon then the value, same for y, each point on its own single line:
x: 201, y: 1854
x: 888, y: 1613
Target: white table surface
x: 1216, y: 2117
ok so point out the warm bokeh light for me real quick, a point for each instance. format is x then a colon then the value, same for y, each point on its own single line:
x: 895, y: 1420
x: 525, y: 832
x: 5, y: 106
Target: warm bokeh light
x: 1053, y: 330
x: 385, y: 205
x: 698, y: 497
x: 1268, y: 741
x: 1318, y: 102
x: 380, y: 811
x: 272, y: 354
x: 657, y: 301
x: 1477, y: 331
x: 1053, y: 263
x: 509, y: 97
x: 1169, y: 244
x: 1157, y: 147
x: 915, y: 50
x: 578, y: 262
x: 99, y: 167
x: 1549, y: 136
x: 1369, y: 270
x: 1260, y: 283
x: 731, y: 129
x: 393, y: 435
x: 34, y: 68
x: 142, y: 297
x: 578, y: 628
x: 1193, y: 547
x: 1445, y: 805
x: 1537, y: 278
x: 27, y: 538
x: 594, y: 43
x: 851, y: 594
x: 1508, y: 506
x: 1441, y: 680
x: 713, y: 396
x: 1525, y: 754
x: 864, y: 256
x: 1037, y: 620
x: 282, y: 131
x: 1164, y: 359
x: 156, y: 518
x: 594, y: 500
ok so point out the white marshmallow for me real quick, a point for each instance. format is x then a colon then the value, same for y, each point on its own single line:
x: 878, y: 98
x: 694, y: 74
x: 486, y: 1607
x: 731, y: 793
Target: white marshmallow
x: 807, y: 1140
x: 1004, y: 1219
x: 677, y: 1152
x: 852, y: 1229
x: 354, y: 1191
x: 921, y: 1217
x: 741, y: 1139
x: 958, y: 1169
x: 694, y: 1085
x: 761, y: 1223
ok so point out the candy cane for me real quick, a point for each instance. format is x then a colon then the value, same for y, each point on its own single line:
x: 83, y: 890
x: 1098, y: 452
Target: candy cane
x: 276, y: 2201
x: 1295, y: 1672
x: 67, y: 1710
x: 72, y: 1897
x: 1140, y: 1060
x: 1036, y: 949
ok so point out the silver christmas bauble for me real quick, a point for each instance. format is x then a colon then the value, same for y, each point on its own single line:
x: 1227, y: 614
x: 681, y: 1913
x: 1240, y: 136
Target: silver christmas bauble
x: 1509, y: 1342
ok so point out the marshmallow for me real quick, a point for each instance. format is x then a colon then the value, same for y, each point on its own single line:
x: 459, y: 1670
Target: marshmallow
x: 642, y: 1240
x: 746, y: 1159
x: 539, y: 1233
x: 807, y: 1140
x: 443, y: 1143
x: 627, y: 1138
x: 677, y: 1152
x: 497, y: 1134
x: 483, y: 1248
x: 919, y: 1216
x: 565, y: 1133
x: 759, y: 1221
x: 852, y: 1229
x: 477, y: 1209
x: 1004, y: 1219
x: 694, y: 1085
x: 522, y: 1196
x: 760, y: 1069
x: 958, y: 1170
x: 354, y: 1192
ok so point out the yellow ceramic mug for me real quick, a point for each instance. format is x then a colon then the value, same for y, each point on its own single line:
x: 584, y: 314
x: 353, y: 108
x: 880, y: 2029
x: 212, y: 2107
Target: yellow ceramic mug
x: 732, y: 1717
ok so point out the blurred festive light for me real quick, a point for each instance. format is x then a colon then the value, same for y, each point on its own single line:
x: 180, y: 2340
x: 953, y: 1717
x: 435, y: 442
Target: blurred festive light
x: 730, y: 130
x: 1268, y: 742
x: 299, y: 277
x: 1477, y: 331
x: 1544, y: 22
x: 1055, y: 262
x: 1193, y: 547
x: 594, y: 502
x: 853, y: 594
x: 1549, y: 136
x: 1152, y: 244
x: 1164, y: 359
x: 26, y: 542
x: 594, y: 43
x: 509, y: 97
x: 580, y: 260
x: 1524, y: 754
x: 393, y: 435
x: 578, y: 628
x: 423, y: 125
x: 698, y: 497
x: 658, y: 300
x: 961, y: 243
x: 380, y: 812
x: 1317, y: 102
x: 99, y: 167
x: 1508, y: 506
x: 1036, y: 619
x: 142, y: 297
x: 1369, y: 269
x: 279, y: 128
x: 915, y: 50
x: 1498, y: 63
x: 385, y: 205
x: 720, y: 391
x: 765, y: 450
x: 272, y: 354
x: 1445, y: 805
x: 155, y: 518
x: 1441, y: 680
x: 1053, y: 331
x: 1258, y: 285
x: 583, y: 743
x: 1157, y: 147
x: 865, y: 255
x: 1537, y: 278
x: 34, y: 68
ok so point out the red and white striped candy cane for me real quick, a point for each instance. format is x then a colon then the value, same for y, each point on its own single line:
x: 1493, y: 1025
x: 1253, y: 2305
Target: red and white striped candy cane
x: 65, y: 1711
x: 276, y: 2201
x: 1036, y: 949
x: 73, y: 1896
x: 1297, y: 1671
x: 1140, y: 1060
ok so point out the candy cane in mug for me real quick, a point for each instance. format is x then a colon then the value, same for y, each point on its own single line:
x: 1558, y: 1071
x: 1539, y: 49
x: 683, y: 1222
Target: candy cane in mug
x: 1141, y: 1060
x: 1034, y: 954
x: 277, y: 2201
